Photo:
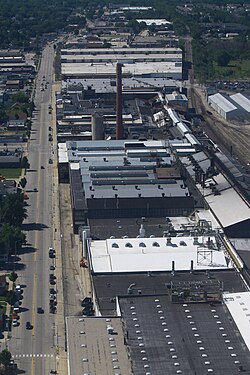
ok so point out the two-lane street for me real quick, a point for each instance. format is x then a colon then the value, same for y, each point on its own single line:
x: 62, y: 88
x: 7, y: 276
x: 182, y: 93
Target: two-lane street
x: 34, y: 349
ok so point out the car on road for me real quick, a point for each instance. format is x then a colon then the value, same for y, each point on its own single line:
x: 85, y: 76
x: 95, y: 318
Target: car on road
x: 42, y: 167
x: 51, y: 252
x: 28, y: 325
x: 35, y: 189
x: 40, y: 310
x: 15, y: 323
x: 52, y: 268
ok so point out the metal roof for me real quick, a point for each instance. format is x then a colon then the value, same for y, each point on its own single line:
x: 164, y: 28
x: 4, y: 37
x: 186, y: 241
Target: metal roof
x: 239, y: 306
x: 241, y: 100
x: 228, y: 207
x: 222, y: 102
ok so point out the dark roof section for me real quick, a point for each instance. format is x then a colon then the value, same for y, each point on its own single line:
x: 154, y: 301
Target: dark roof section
x: 107, y: 287
x: 103, y: 229
x: 76, y: 189
x: 191, y: 338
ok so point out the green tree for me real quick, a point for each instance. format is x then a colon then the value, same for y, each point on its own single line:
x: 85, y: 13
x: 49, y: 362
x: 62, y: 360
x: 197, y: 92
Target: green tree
x: 19, y: 97
x: 11, y: 239
x: 11, y: 297
x: 12, y: 210
x: 3, y: 116
x: 25, y: 163
x: 223, y: 58
x: 5, y: 357
x: 13, y: 276
x: 23, y: 182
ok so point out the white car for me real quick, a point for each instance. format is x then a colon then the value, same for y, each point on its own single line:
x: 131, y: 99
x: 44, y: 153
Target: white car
x: 16, y: 309
x: 15, y: 322
x: 18, y: 288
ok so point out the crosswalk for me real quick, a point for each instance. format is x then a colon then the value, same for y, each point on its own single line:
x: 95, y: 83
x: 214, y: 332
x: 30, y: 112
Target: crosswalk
x: 33, y: 355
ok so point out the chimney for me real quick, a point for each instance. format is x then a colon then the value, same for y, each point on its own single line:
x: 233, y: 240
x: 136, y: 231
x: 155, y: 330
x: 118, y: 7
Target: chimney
x: 192, y: 266
x: 119, y: 127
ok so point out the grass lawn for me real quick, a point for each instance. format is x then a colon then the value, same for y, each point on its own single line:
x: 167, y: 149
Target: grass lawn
x: 236, y: 69
x: 10, y: 172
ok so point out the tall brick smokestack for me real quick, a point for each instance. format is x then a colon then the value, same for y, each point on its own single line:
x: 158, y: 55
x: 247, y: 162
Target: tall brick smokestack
x: 119, y: 126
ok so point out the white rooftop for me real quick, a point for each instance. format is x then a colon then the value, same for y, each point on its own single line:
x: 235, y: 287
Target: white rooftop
x: 239, y: 306
x: 228, y: 207
x: 222, y: 102
x: 156, y: 21
x: 163, y: 69
x: 241, y: 100
x: 154, y: 254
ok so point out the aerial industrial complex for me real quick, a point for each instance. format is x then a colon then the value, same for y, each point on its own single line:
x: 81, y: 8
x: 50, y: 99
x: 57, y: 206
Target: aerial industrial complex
x: 163, y: 215
x: 146, y: 218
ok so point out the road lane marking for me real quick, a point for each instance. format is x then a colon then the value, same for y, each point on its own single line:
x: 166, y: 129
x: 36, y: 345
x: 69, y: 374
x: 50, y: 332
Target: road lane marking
x: 34, y: 304
x: 33, y: 355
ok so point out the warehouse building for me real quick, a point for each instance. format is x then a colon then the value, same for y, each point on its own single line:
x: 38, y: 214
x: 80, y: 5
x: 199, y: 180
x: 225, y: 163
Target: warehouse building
x: 112, y: 179
x: 137, y: 62
x: 224, y: 106
x: 234, y: 107
x: 242, y: 101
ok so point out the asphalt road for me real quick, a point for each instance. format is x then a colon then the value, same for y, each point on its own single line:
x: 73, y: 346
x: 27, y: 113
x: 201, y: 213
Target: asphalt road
x: 35, y: 350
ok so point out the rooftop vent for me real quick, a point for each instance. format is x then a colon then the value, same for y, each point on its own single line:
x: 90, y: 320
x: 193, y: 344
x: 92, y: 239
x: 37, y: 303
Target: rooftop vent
x: 169, y: 241
x: 128, y: 244
x: 156, y: 244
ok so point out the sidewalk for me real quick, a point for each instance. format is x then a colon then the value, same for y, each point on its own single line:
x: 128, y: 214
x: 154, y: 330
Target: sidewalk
x: 61, y: 354
x: 6, y: 334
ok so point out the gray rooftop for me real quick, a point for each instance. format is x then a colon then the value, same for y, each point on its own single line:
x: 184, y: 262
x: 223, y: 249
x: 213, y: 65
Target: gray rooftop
x: 92, y: 350
x: 109, y: 286
x: 193, y: 338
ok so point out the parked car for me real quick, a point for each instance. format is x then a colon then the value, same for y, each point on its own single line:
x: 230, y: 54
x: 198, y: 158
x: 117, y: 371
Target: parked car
x: 52, y: 291
x: 18, y: 288
x: 15, y: 322
x: 52, y: 268
x: 88, y: 311
x: 51, y: 252
x: 87, y: 301
x: 52, y: 309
